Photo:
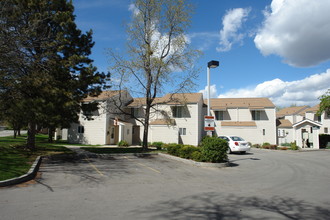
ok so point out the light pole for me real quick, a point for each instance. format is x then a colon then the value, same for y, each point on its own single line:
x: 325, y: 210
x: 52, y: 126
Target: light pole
x: 211, y: 64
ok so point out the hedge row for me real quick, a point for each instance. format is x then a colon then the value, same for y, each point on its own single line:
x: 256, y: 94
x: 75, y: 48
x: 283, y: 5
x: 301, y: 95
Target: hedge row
x: 211, y: 149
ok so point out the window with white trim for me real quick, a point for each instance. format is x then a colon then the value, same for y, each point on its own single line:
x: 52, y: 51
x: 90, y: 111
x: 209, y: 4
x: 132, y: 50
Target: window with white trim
x: 182, y: 131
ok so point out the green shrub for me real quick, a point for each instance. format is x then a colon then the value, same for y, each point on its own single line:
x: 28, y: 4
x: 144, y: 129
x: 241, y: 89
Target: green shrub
x: 265, y: 144
x: 214, y: 149
x: 173, y: 149
x: 286, y: 144
x: 157, y: 145
x: 186, y: 151
x: 197, y: 155
x: 294, y: 146
x: 256, y: 145
x: 122, y: 143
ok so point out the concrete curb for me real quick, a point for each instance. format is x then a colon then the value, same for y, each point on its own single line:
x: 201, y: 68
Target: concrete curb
x: 195, y: 163
x: 26, y: 177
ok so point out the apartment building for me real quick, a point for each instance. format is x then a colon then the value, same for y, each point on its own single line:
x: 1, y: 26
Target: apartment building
x: 251, y: 118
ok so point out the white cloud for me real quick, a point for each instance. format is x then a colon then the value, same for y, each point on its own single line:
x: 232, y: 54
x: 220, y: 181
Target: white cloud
x: 232, y: 22
x: 132, y: 8
x: 299, y: 92
x: 213, y: 91
x: 297, y: 30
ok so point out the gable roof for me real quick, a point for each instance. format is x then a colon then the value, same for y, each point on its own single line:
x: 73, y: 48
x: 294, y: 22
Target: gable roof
x: 170, y: 99
x: 295, y: 110
x: 313, y: 109
x: 283, y: 123
x: 307, y: 121
x: 103, y: 95
x: 251, y: 103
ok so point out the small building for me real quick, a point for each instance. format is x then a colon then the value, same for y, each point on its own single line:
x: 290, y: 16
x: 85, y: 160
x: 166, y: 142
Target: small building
x: 303, y: 125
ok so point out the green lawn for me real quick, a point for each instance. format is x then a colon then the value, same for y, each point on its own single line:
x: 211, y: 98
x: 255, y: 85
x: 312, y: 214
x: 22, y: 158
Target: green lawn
x: 15, y: 160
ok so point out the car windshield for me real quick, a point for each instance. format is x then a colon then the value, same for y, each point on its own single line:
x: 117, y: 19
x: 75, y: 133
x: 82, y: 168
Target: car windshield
x: 235, y: 138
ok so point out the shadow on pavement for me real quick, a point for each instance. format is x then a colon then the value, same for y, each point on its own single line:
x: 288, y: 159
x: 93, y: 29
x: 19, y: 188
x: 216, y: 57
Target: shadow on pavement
x: 215, y: 206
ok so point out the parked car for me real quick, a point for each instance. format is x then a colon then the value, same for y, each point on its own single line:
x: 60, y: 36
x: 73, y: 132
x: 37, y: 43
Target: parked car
x: 236, y: 144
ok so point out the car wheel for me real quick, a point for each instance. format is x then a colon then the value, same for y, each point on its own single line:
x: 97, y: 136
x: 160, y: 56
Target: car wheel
x: 229, y: 151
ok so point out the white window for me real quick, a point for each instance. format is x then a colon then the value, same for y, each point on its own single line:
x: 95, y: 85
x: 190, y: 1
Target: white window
x: 182, y: 131
x: 219, y: 115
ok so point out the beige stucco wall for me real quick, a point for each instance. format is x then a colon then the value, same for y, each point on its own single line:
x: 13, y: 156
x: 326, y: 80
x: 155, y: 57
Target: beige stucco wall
x: 253, y: 134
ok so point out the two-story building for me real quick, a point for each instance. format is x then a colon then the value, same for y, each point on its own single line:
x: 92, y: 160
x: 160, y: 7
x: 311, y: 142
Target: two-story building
x: 250, y: 118
x: 174, y: 118
x: 107, y: 125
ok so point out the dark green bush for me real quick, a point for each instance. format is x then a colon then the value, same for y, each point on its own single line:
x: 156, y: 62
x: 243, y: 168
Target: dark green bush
x: 186, y: 151
x: 173, y: 149
x: 214, y: 149
x: 265, y: 144
x: 157, y: 145
x: 256, y: 145
x: 324, y: 140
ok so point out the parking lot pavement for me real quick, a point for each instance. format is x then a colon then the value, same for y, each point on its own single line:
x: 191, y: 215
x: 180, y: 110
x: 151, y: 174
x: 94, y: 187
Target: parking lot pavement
x: 258, y: 185
x: 6, y: 133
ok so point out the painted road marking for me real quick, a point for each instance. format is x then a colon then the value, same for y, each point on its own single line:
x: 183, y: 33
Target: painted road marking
x: 150, y: 168
x: 94, y: 167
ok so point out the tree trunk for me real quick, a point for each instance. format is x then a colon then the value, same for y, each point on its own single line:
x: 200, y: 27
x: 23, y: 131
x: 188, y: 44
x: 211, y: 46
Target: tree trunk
x: 50, y: 134
x: 146, y: 128
x: 31, y: 139
x: 15, y: 133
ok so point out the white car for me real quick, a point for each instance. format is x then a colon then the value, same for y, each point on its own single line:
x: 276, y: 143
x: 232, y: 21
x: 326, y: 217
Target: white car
x: 236, y: 144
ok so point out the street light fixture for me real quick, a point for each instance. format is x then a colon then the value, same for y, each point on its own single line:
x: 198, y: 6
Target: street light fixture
x: 211, y: 64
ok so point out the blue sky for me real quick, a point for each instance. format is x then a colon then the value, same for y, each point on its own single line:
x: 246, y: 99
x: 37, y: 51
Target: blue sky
x: 267, y: 48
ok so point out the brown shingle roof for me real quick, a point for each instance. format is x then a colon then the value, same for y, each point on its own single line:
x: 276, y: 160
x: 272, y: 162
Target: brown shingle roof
x: 102, y: 96
x: 313, y: 109
x: 251, y: 103
x: 239, y: 123
x: 295, y: 110
x: 283, y: 123
x: 170, y: 99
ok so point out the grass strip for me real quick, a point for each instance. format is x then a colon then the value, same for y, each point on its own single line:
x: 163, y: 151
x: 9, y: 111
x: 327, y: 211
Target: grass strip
x: 16, y: 160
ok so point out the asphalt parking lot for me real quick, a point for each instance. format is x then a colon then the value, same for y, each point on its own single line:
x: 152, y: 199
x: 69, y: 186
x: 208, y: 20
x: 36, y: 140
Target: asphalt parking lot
x: 262, y: 184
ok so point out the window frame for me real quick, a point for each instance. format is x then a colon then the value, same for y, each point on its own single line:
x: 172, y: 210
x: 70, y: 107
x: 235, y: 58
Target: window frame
x: 183, y: 131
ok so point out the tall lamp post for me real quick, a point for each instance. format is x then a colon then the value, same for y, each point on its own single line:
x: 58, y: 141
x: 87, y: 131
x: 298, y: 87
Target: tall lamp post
x: 211, y: 64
